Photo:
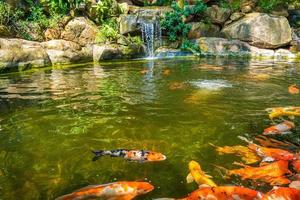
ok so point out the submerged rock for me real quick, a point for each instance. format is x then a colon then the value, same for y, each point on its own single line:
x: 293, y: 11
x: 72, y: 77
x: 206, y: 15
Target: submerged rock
x: 66, y: 52
x: 80, y: 30
x: 261, y: 30
x: 21, y: 54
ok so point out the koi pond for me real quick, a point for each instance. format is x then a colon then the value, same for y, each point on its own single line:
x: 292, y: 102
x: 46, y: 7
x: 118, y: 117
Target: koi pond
x: 51, y: 119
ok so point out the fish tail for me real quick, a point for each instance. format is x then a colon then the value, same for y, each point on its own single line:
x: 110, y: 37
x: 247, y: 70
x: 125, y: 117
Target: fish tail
x: 245, y: 139
x: 225, y: 173
x: 66, y: 197
x: 98, y: 154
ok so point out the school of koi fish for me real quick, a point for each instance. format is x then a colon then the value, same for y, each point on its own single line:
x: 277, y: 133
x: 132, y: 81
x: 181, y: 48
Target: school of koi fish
x: 275, y: 164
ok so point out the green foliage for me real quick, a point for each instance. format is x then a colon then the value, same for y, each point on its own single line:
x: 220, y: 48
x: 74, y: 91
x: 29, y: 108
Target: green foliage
x: 173, y: 22
x: 234, y: 5
x: 9, y: 16
x: 268, y: 5
x: 190, y: 46
x: 136, y: 40
x: 106, y: 9
x: 108, y: 32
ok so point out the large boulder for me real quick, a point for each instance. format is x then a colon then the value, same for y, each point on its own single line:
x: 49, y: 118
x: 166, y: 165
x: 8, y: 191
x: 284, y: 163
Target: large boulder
x: 128, y: 24
x: 80, y: 30
x: 261, y: 30
x: 66, y: 52
x: 221, y: 46
x: 115, y: 51
x: 218, y: 15
x: 21, y: 54
x: 200, y: 29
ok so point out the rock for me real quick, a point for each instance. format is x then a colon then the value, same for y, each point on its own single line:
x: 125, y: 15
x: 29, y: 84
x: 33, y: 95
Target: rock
x: 149, y: 12
x: 66, y: 52
x: 4, y: 31
x: 52, y: 33
x: 128, y: 24
x: 258, y: 52
x: 284, y: 54
x: 217, y: 14
x: 282, y: 12
x: 21, y: 54
x: 80, y: 30
x: 248, y: 6
x: 114, y: 51
x: 200, y: 29
x: 221, y: 46
x: 261, y: 30
x: 236, y: 16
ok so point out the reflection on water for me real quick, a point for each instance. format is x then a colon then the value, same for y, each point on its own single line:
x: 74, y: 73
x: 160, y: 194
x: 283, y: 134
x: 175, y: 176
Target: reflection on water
x: 51, y: 119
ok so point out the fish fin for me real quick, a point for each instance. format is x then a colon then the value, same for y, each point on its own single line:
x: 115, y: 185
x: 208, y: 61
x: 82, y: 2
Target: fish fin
x: 124, y: 197
x: 244, y: 139
x: 240, y: 164
x: 207, y: 175
x: 203, y: 186
x: 267, y: 159
x: 190, y: 178
x: 286, y: 132
x: 66, y: 197
x: 98, y: 154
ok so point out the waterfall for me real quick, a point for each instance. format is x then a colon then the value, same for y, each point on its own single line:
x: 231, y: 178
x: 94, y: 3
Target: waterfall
x: 151, y: 35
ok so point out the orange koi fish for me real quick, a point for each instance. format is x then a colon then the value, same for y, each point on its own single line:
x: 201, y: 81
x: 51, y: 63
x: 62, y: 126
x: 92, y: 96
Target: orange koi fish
x: 294, y: 89
x: 283, y: 111
x: 110, y: 191
x: 271, y: 154
x: 196, y: 174
x: 177, y: 85
x: 166, y: 72
x: 270, y: 142
x: 131, y: 155
x: 282, y: 193
x: 273, y: 173
x: 280, y: 129
x: 246, y: 154
x: 224, y: 193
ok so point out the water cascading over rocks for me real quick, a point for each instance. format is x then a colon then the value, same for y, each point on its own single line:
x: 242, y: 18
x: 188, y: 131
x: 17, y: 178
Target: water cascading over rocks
x: 151, y: 35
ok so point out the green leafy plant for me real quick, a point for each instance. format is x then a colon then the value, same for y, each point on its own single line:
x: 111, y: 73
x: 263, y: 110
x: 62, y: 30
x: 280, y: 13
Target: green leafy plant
x: 8, y: 15
x: 106, y: 9
x: 174, y: 21
x: 108, y: 32
x: 234, y: 5
x: 190, y: 46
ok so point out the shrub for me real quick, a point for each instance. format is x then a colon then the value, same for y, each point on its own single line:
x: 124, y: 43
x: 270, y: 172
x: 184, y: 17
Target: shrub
x: 106, y: 9
x: 173, y: 22
x: 9, y: 16
x: 108, y: 32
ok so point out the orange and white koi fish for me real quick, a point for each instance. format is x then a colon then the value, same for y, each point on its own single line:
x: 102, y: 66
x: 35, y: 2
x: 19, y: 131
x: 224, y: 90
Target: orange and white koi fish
x: 271, y: 154
x: 273, y: 173
x: 279, y: 129
x: 294, y: 89
x: 111, y: 191
x: 196, y: 174
x: 283, y: 111
x: 247, y: 155
x: 131, y: 155
x: 282, y: 193
x: 224, y: 193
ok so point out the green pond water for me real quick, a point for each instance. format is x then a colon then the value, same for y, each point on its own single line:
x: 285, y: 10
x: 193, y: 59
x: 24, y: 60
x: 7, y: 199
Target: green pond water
x: 51, y: 119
